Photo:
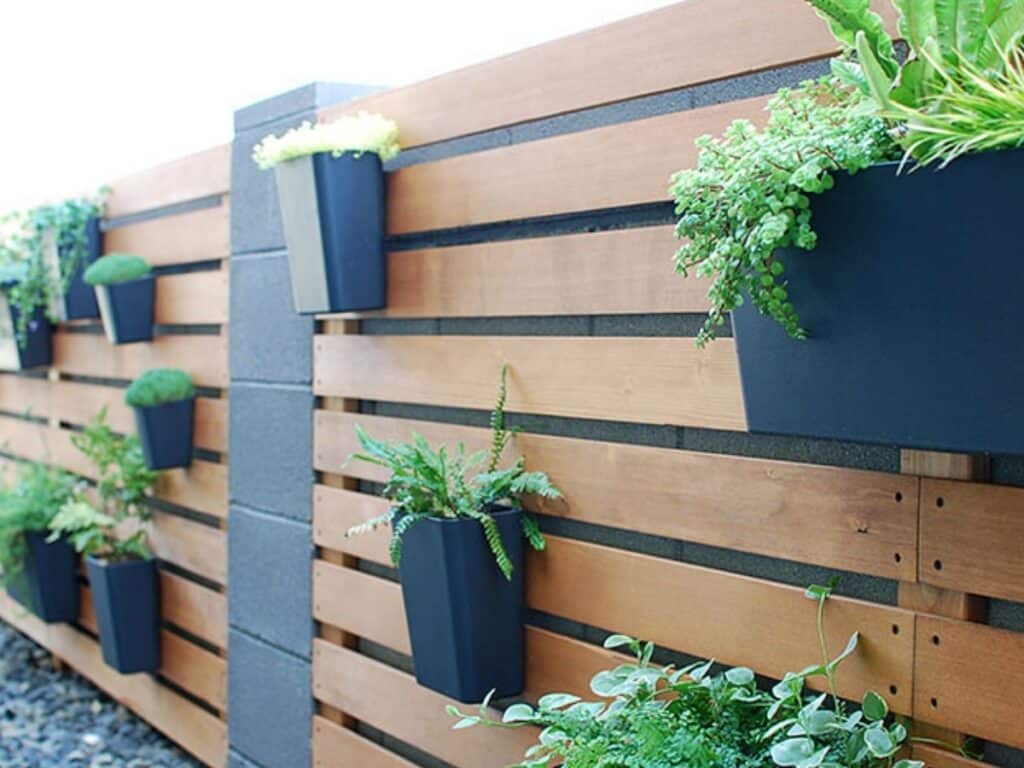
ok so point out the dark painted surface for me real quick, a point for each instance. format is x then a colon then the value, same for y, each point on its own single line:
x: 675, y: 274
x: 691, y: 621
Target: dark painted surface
x: 165, y: 433
x: 126, y: 601
x: 131, y: 309
x: 48, y: 583
x: 37, y: 349
x: 80, y: 298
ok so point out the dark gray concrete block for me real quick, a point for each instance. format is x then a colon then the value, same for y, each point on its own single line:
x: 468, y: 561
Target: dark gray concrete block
x: 269, y: 342
x: 271, y: 449
x: 270, y: 703
x: 269, y: 564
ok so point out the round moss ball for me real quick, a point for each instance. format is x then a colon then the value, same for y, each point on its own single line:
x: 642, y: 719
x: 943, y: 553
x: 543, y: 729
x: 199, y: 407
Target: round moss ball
x: 116, y: 268
x: 159, y: 386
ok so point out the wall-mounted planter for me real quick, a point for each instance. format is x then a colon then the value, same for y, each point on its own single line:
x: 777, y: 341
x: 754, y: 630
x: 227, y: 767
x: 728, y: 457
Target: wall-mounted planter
x: 165, y: 432
x: 127, y: 310
x: 333, y: 214
x: 913, y: 298
x: 126, y: 600
x: 38, y: 347
x: 465, y: 619
x: 47, y: 584
x: 78, y: 302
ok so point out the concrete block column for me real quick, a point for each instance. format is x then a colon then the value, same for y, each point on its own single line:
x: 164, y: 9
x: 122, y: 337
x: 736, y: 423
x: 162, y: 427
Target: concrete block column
x: 270, y: 543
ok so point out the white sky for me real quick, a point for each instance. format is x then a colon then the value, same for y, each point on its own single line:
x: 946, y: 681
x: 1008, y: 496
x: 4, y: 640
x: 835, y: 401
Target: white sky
x: 96, y: 90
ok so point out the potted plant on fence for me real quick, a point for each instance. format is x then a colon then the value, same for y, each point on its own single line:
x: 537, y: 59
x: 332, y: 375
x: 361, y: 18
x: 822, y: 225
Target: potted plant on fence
x: 457, y: 539
x: 107, y: 528
x: 68, y: 239
x: 126, y: 292
x: 39, y: 574
x: 25, y: 334
x: 887, y: 331
x: 164, y: 403
x: 330, y: 184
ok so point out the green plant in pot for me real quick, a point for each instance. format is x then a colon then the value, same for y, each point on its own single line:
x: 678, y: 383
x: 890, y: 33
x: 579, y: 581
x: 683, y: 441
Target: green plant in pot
x: 25, y: 334
x: 164, y: 403
x: 107, y: 525
x: 847, y: 280
x: 457, y: 538
x: 330, y: 184
x: 39, y: 574
x: 126, y: 293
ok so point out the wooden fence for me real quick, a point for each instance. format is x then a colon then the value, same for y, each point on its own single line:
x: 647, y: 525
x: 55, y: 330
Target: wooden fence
x: 177, y: 217
x: 945, y: 542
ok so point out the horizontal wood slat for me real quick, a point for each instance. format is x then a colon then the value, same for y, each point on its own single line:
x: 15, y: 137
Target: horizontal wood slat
x: 625, y: 271
x: 188, y: 178
x: 934, y: 757
x: 196, y: 730
x: 972, y: 542
x: 202, y: 235
x: 657, y: 51
x: 647, y: 380
x: 194, y: 298
x: 193, y: 546
x: 969, y: 678
x: 198, y: 610
x: 348, y: 681
x: 195, y: 669
x: 858, y: 521
x: 205, y: 358
x: 338, y: 747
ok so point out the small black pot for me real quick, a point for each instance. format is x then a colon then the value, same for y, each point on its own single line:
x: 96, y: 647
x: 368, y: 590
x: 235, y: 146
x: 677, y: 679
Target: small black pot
x: 465, y: 619
x: 127, y: 310
x: 333, y: 214
x: 165, y: 432
x: 913, y: 299
x: 80, y: 298
x: 38, y: 347
x: 48, y: 581
x: 126, y: 600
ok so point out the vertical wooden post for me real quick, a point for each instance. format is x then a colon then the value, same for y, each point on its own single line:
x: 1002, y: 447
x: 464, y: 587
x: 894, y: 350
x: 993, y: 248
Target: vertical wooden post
x: 924, y: 598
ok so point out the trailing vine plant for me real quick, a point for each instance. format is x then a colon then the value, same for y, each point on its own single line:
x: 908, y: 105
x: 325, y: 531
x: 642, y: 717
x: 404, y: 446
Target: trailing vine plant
x: 440, y: 484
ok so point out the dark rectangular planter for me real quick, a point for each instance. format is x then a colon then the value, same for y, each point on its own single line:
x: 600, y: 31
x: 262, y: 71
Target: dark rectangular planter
x: 465, y: 619
x: 126, y: 600
x: 165, y: 432
x: 913, y: 299
x: 47, y: 583
x: 333, y: 214
x: 80, y: 298
x: 38, y: 347
x: 127, y: 310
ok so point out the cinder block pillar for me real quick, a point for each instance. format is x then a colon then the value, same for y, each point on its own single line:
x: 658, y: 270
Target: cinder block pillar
x: 270, y: 550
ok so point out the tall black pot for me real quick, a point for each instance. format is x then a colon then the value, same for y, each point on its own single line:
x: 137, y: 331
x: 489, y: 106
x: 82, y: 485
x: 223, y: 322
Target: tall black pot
x: 126, y: 600
x: 37, y: 349
x: 80, y: 298
x: 165, y: 433
x: 333, y: 214
x: 913, y: 299
x: 47, y: 583
x: 465, y: 619
x: 127, y: 310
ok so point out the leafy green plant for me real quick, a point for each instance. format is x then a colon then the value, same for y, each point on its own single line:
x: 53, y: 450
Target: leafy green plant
x: 28, y: 507
x: 662, y: 717
x: 124, y: 482
x: 353, y: 134
x: 116, y: 268
x: 437, y: 484
x: 159, y: 386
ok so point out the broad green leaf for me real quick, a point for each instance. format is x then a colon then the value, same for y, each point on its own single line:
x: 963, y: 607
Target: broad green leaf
x: 874, y: 707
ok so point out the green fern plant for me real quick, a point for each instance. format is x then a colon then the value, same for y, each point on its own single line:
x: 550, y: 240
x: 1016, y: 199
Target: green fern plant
x: 440, y: 484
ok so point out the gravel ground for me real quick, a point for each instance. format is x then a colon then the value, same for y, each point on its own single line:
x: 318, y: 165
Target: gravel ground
x: 50, y: 719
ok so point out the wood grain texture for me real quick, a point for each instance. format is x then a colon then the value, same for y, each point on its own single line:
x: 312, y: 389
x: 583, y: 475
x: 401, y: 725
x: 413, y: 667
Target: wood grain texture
x: 934, y: 757
x: 335, y: 746
x: 194, y: 298
x: 841, y: 518
x: 969, y: 678
x: 188, y: 178
x: 625, y: 271
x: 346, y: 680
x: 198, y: 610
x: 205, y: 358
x: 657, y: 51
x: 971, y: 537
x: 195, y: 729
x: 193, y: 546
x: 202, y: 235
x: 647, y: 380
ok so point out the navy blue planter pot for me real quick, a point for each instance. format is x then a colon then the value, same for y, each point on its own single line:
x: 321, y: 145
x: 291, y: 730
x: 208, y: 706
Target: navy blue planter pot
x: 465, y: 619
x: 333, y: 214
x: 912, y: 299
x: 38, y: 347
x: 165, y: 433
x: 126, y: 600
x: 47, y: 584
x: 80, y: 298
x: 127, y: 310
